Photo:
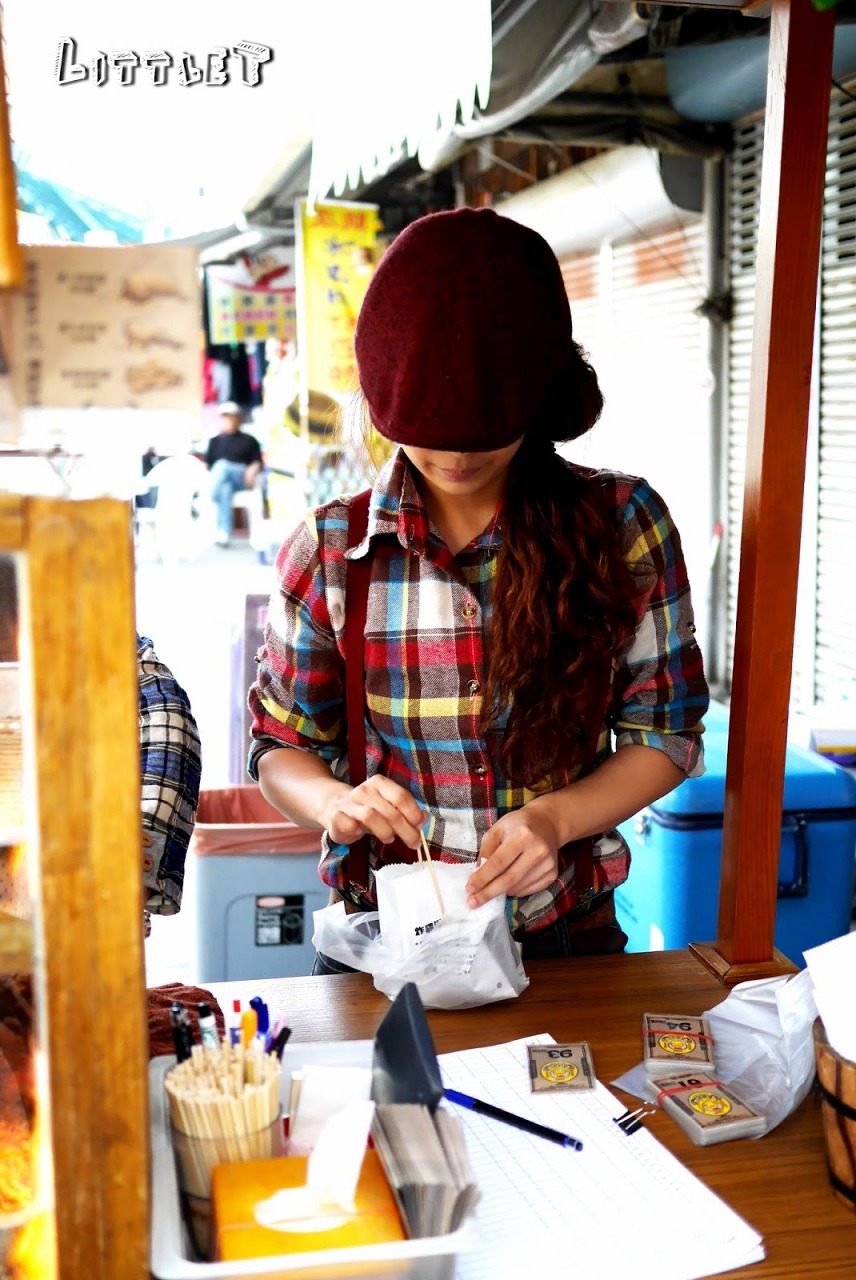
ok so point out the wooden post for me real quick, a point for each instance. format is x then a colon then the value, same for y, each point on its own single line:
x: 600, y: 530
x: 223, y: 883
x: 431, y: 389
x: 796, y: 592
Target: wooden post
x: 792, y: 178
x: 78, y: 644
x: 11, y: 257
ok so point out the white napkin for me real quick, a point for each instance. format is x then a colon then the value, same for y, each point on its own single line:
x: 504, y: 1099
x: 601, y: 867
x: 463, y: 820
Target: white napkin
x: 833, y: 971
x: 324, y: 1090
x: 332, y: 1173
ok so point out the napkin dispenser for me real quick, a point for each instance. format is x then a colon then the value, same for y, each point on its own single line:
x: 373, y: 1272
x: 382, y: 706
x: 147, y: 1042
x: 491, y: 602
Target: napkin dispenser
x: 404, y: 1062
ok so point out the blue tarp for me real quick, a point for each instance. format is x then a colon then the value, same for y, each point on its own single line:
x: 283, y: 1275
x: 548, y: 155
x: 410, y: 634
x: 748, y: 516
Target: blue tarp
x: 70, y: 213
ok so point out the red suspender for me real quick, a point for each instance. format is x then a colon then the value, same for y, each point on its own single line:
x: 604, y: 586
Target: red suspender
x: 357, y: 577
x: 582, y: 851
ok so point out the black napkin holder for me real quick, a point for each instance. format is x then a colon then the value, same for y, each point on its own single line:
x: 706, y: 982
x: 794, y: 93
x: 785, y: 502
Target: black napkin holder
x: 404, y: 1062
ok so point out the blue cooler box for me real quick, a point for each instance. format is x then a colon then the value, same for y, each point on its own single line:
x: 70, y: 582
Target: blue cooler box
x: 671, y: 896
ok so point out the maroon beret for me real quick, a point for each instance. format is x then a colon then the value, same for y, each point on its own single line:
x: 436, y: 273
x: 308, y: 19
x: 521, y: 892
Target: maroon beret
x: 464, y: 328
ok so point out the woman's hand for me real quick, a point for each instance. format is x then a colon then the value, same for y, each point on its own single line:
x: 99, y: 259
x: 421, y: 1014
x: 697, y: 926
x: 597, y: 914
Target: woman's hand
x: 522, y: 857
x: 522, y: 849
x: 378, y: 807
x: 301, y: 785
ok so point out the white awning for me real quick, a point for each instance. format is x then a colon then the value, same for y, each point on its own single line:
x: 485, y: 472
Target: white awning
x: 390, y: 75
x: 401, y: 79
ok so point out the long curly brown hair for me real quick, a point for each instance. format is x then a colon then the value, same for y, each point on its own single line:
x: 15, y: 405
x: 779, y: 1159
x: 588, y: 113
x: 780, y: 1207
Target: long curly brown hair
x: 564, y: 594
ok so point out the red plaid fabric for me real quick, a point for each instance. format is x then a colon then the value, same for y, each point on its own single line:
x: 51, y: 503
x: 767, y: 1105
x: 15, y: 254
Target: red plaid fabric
x: 427, y: 621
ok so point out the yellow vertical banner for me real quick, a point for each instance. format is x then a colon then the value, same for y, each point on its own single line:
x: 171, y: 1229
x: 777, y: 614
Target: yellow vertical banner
x: 335, y: 259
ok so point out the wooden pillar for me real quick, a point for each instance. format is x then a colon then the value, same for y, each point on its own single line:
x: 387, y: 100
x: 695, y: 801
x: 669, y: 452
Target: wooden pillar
x: 792, y: 178
x: 79, y: 649
x: 11, y: 257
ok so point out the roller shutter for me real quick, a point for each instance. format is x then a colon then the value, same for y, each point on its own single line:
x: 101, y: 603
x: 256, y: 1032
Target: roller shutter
x: 824, y: 665
x: 580, y: 273
x: 634, y: 306
x: 835, y: 637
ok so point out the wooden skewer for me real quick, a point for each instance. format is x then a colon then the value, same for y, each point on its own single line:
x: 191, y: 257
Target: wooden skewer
x: 433, y: 873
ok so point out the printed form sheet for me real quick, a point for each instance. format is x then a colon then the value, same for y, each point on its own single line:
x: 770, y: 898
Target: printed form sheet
x: 624, y: 1205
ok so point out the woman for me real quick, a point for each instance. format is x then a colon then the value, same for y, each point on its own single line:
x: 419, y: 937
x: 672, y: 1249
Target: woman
x: 521, y: 611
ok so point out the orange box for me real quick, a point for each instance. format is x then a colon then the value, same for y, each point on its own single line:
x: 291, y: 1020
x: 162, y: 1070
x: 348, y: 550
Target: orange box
x: 237, y: 1188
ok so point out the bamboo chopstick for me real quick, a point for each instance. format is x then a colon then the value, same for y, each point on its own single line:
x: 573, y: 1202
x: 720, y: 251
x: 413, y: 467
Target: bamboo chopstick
x: 433, y: 873
x: 228, y: 1094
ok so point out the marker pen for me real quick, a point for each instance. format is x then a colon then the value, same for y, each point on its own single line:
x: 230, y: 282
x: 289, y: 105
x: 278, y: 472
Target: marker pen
x: 274, y: 1033
x: 235, y: 1028
x: 262, y: 1015
x: 249, y: 1027
x: 182, y: 1032
x: 280, y: 1041
x: 208, y: 1026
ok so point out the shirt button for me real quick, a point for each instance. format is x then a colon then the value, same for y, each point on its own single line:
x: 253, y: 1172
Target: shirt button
x: 469, y: 610
x: 473, y: 686
x: 481, y: 770
x: 148, y: 862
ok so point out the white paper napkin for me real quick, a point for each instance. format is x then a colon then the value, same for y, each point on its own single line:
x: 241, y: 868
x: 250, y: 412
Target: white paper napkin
x: 833, y: 972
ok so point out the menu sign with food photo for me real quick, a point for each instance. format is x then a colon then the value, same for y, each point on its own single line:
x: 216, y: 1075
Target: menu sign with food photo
x: 114, y: 327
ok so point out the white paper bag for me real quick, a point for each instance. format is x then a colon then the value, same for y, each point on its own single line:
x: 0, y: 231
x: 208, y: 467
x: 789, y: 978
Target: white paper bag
x: 408, y: 905
x: 462, y: 958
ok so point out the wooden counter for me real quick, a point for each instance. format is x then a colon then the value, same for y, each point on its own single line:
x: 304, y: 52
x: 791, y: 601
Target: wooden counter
x: 777, y: 1183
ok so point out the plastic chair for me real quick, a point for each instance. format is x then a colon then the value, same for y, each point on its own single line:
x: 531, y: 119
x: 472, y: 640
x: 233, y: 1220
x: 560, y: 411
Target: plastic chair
x: 252, y: 501
x: 177, y: 519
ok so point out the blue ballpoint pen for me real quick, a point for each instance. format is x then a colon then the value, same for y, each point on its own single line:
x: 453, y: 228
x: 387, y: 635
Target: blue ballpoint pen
x: 262, y: 1015
x: 517, y: 1122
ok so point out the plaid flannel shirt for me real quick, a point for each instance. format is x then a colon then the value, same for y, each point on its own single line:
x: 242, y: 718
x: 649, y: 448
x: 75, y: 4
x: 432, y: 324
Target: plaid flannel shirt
x: 427, y: 620
x: 170, y: 770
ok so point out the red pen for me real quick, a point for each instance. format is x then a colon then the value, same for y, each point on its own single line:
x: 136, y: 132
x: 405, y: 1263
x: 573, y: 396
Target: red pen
x: 235, y: 1028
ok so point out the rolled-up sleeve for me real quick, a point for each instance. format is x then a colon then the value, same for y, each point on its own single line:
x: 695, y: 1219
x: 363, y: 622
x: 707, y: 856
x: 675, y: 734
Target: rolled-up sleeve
x: 297, y: 699
x: 170, y: 775
x: 661, y: 693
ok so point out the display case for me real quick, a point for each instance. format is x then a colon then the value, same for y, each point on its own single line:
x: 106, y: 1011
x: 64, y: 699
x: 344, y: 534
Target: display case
x: 74, y: 1178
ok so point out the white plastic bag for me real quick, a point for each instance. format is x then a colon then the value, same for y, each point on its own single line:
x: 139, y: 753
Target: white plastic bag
x: 350, y: 939
x: 458, y: 959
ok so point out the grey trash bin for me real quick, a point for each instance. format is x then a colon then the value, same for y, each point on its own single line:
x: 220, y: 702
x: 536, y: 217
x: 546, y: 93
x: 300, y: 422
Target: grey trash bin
x: 256, y: 887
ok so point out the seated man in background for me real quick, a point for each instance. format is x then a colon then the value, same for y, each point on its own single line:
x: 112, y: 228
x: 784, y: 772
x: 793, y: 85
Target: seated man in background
x: 234, y: 459
x: 170, y: 770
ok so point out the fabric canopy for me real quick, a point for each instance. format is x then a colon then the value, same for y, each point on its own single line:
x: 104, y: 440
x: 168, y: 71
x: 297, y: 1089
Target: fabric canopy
x: 453, y: 74
x: 68, y: 215
x: 389, y: 82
